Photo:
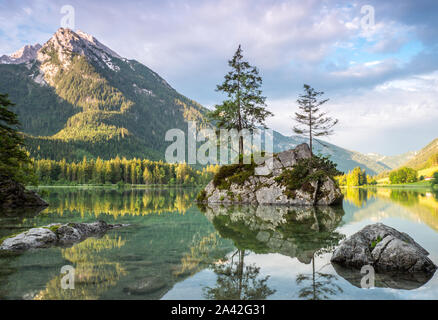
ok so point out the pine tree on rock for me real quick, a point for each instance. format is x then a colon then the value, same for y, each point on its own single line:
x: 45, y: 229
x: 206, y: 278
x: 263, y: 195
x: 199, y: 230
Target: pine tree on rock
x: 245, y: 107
x: 314, y: 123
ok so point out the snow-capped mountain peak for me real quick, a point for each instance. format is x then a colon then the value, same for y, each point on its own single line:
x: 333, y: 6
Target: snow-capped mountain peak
x: 59, y: 51
x: 98, y: 44
x: 64, y: 42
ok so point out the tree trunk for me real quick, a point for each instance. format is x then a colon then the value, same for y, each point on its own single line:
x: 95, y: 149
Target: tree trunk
x: 240, y: 148
x: 313, y: 277
x: 240, y: 117
x: 240, y: 271
x: 315, y: 193
x: 310, y: 131
x: 311, y: 148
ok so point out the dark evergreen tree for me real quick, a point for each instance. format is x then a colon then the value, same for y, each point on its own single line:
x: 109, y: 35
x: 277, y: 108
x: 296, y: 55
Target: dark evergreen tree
x: 314, y: 122
x: 14, y: 161
x: 245, y: 107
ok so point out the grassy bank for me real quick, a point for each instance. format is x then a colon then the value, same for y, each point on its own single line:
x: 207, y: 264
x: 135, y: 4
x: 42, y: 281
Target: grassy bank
x: 418, y: 184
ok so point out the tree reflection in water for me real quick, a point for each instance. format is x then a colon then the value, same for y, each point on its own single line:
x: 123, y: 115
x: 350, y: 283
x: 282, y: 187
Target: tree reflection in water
x: 301, y: 232
x: 235, y: 281
x: 321, y: 286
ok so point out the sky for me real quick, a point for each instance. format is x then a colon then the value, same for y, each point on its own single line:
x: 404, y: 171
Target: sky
x: 377, y: 61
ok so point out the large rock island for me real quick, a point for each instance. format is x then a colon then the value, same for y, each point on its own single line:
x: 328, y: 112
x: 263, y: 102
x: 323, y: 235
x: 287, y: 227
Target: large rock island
x: 292, y: 177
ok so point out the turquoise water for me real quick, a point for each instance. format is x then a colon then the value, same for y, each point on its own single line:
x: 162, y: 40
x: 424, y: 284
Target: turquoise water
x: 174, y: 249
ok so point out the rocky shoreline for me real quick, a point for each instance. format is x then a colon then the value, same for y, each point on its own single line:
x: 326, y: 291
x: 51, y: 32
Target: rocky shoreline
x: 14, y: 195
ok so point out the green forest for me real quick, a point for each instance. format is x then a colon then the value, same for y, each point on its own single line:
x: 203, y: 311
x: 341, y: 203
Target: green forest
x: 121, y: 171
x: 356, y: 177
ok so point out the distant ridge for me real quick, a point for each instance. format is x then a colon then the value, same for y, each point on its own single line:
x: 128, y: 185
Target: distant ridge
x: 346, y: 159
x: 419, y: 161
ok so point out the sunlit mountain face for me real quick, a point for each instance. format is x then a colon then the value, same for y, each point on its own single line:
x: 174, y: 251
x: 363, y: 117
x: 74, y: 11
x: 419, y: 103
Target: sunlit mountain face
x: 77, y: 97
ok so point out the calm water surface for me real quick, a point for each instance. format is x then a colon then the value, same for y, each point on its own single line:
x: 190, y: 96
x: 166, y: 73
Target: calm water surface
x: 174, y: 249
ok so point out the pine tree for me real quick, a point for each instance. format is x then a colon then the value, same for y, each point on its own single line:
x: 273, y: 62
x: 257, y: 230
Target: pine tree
x: 14, y: 160
x: 108, y: 172
x: 147, y: 177
x: 315, y: 123
x: 245, y: 107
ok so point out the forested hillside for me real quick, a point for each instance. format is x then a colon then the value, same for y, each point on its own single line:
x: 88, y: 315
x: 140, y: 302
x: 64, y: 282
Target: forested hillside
x: 79, y: 98
x: 426, y: 157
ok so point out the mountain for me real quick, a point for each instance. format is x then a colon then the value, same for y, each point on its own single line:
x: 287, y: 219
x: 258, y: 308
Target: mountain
x: 346, y: 159
x: 76, y: 97
x: 25, y: 54
x: 392, y: 161
x: 421, y: 159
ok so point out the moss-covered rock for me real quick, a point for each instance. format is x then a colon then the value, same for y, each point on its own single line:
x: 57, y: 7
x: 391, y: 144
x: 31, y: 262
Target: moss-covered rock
x: 55, y: 234
x: 291, y: 177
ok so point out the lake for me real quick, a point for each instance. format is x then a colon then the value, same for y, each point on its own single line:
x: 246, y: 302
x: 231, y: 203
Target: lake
x: 175, y: 249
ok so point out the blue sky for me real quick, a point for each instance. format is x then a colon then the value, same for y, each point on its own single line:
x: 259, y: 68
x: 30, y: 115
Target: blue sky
x: 381, y: 78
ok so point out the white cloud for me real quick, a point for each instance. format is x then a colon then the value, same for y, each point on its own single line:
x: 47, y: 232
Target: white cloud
x: 367, y: 118
x: 367, y: 69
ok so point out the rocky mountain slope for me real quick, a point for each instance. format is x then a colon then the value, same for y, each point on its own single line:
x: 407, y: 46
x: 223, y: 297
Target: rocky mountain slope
x: 24, y: 55
x: 77, y: 97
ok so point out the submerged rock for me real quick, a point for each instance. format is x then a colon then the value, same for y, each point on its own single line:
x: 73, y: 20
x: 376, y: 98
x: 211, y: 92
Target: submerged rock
x: 146, y: 286
x: 269, y: 183
x: 14, y: 195
x: 385, y: 248
x: 55, y: 234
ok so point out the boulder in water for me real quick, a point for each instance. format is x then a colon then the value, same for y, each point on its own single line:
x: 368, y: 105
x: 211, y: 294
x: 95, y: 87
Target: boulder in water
x: 384, y: 248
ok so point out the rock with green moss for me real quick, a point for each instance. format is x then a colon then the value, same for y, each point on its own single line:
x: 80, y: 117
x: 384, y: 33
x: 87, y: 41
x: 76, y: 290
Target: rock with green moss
x: 384, y: 248
x: 292, y: 177
x: 55, y: 234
